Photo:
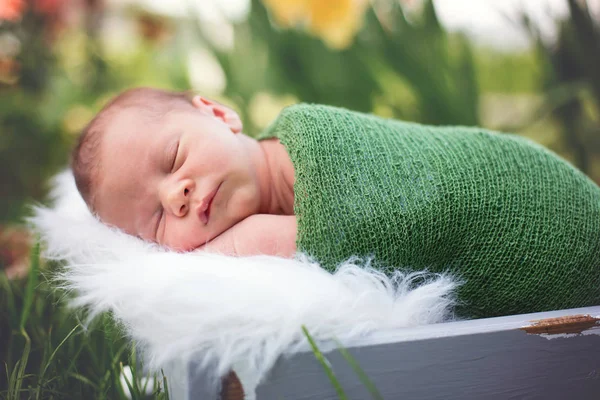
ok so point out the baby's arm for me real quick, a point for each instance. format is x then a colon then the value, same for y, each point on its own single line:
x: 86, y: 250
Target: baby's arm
x: 258, y: 234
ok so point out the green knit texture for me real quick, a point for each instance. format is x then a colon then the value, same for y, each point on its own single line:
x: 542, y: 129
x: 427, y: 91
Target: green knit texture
x: 517, y: 223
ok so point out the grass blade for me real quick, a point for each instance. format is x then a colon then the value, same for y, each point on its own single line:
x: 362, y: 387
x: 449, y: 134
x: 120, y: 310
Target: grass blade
x: 83, y: 379
x: 165, y: 385
x: 133, y: 393
x: 366, y: 381
x: 326, y: 366
x: 13, y: 385
x: 18, y: 374
x: 133, y: 365
x: 31, y: 284
x: 10, y: 299
x: 52, y: 357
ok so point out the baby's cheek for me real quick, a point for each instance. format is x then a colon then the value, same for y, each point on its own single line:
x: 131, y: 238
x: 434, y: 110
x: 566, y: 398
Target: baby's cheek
x: 246, y: 202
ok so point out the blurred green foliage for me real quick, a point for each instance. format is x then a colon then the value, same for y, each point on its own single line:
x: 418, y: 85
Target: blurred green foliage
x: 393, y: 63
x: 571, y: 82
x: 399, y: 65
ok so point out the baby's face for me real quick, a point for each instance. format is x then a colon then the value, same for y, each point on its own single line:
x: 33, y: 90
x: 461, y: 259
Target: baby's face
x: 180, y: 182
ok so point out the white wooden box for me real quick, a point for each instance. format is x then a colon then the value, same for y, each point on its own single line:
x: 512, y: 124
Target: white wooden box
x: 548, y: 355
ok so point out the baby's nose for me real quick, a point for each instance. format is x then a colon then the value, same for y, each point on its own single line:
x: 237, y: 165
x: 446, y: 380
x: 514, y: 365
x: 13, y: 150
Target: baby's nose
x: 179, y: 199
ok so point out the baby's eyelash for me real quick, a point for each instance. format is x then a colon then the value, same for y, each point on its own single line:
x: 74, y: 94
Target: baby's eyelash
x: 174, y: 157
x: 160, y: 216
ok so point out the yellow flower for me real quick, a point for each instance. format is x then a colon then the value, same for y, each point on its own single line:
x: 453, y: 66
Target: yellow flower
x: 336, y: 22
x: 288, y: 13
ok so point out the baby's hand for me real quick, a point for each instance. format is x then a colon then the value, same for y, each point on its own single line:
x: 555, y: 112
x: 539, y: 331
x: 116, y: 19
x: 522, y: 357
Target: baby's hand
x: 258, y: 234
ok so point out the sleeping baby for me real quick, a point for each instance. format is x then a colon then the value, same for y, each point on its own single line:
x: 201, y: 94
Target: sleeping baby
x: 179, y: 172
x: 516, y: 223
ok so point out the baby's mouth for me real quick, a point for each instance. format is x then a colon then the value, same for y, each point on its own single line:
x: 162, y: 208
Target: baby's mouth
x: 205, y: 206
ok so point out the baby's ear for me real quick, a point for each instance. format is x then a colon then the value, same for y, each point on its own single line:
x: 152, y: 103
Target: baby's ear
x: 214, y: 109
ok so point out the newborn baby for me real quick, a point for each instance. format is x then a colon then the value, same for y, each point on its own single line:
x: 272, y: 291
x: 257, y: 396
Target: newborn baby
x: 178, y: 171
x: 516, y: 223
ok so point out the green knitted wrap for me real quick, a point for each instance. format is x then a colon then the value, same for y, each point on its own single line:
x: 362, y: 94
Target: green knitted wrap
x: 518, y: 224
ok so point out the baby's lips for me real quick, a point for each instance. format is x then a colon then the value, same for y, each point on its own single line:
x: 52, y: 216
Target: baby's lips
x: 204, y: 207
x: 202, y: 214
x: 203, y: 218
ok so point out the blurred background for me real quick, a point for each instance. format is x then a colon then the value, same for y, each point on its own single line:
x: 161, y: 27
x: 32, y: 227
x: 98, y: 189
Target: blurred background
x: 527, y: 67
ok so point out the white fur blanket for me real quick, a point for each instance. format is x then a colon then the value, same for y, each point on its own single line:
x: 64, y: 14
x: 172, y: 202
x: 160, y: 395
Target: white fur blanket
x: 214, y: 308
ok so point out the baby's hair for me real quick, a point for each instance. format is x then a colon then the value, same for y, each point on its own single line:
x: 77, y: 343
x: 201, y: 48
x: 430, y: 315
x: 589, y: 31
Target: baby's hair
x: 85, y: 160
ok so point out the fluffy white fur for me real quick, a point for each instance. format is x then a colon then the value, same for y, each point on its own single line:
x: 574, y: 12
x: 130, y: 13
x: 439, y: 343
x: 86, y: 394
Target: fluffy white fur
x: 221, y: 309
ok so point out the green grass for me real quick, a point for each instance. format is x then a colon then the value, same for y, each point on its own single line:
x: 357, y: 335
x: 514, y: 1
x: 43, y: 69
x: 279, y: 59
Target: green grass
x: 366, y: 381
x: 47, y: 353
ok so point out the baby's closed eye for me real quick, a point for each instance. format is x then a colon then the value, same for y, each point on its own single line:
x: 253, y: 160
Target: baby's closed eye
x: 174, y: 157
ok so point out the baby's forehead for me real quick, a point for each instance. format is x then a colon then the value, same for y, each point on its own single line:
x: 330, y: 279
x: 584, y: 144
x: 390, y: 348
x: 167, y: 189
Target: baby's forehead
x: 127, y: 161
x: 128, y: 133
x: 134, y: 137
x: 130, y: 117
x: 130, y: 127
x: 141, y: 120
